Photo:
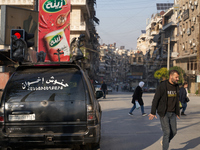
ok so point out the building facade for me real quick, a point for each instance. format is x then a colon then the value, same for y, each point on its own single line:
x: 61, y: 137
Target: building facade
x: 188, y: 41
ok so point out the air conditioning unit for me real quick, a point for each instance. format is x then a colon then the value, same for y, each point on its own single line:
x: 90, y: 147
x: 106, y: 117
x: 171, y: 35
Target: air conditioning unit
x: 183, y: 29
x: 183, y: 47
x: 188, y: 31
x: 193, y: 71
x: 190, y: 41
x: 183, y: 7
x: 190, y: 2
x: 195, y: 3
x: 193, y: 19
x: 181, y: 33
x: 186, y: 7
x: 194, y: 44
x: 192, y: 7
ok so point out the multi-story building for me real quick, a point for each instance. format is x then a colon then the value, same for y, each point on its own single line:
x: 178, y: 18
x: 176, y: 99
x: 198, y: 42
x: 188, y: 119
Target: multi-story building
x: 188, y: 47
x: 81, y: 22
x: 28, y: 4
x: 136, y: 68
x: 106, y: 64
x: 168, y: 37
x: 152, y: 56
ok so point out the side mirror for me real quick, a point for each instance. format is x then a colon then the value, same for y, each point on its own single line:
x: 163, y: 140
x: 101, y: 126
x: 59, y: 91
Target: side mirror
x: 99, y: 94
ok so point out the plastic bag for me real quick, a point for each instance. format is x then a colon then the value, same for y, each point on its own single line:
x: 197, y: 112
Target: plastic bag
x: 180, y: 105
x: 137, y: 104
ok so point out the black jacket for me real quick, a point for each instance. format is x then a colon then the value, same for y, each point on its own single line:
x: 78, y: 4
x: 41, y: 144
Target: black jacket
x: 104, y: 87
x: 183, y: 95
x: 137, y: 95
x: 160, y: 100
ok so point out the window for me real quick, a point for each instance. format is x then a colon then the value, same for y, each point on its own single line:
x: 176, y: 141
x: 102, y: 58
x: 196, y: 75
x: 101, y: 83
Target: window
x: 189, y: 24
x: 134, y: 59
x: 186, y: 25
x: 46, y: 84
x: 195, y: 66
x: 139, y: 59
x: 192, y: 66
x: 188, y: 66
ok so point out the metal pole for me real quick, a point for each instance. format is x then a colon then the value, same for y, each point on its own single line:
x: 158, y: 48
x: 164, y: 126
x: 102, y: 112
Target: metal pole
x: 36, y: 5
x: 168, y: 54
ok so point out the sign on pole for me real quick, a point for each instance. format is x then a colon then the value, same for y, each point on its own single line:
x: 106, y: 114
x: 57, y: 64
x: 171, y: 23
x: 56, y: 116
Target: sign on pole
x: 54, y: 29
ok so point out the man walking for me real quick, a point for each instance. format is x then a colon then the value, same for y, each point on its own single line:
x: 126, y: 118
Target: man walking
x: 104, y: 89
x: 166, y: 102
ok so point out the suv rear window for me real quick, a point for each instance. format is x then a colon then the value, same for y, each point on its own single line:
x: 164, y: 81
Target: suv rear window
x: 38, y: 84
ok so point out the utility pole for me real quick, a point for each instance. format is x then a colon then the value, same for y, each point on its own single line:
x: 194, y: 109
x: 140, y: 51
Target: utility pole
x: 168, y: 54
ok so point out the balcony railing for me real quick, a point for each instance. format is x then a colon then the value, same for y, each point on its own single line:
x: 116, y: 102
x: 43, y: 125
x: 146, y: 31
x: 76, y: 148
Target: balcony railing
x: 81, y: 3
x: 78, y: 2
x: 154, y: 32
x: 170, y: 24
x: 16, y: 2
x: 81, y: 27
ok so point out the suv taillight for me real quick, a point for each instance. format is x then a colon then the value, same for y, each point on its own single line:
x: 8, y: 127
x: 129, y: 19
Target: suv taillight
x: 1, y: 118
x: 90, y: 113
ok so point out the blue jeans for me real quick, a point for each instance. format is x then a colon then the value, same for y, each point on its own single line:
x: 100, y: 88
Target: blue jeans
x: 184, y: 106
x: 169, y: 128
x: 141, y: 106
x: 104, y: 93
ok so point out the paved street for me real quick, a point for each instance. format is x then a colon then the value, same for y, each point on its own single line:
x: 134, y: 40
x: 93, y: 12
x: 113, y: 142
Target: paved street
x: 123, y: 132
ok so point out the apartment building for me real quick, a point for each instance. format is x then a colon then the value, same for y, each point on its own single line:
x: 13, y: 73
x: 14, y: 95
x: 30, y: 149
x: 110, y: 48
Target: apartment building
x: 152, y: 57
x: 28, y: 4
x: 169, y: 37
x: 188, y: 41
x: 136, y: 70
x: 107, y: 64
x: 82, y: 22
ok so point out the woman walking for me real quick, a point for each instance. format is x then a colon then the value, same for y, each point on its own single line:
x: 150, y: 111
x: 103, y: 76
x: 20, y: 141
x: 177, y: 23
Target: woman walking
x: 137, y: 96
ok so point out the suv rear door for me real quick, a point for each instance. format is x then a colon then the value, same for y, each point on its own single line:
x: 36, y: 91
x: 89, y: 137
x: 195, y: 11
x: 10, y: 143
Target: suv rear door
x: 44, y: 96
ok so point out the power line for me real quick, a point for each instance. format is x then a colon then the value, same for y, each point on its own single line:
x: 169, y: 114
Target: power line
x: 125, y: 8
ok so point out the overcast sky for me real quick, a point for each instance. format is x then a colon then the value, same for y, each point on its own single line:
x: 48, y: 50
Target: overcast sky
x: 121, y: 21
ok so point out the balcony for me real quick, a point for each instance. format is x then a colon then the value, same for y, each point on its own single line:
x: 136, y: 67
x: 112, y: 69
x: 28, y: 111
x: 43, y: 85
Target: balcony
x: 16, y: 2
x: 101, y: 75
x: 83, y: 4
x: 154, y: 32
x: 153, y: 44
x: 191, y: 72
x: 168, y: 25
x: 81, y: 27
x: 102, y: 63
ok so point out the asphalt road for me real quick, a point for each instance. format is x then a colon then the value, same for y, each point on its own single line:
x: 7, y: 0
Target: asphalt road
x: 123, y: 132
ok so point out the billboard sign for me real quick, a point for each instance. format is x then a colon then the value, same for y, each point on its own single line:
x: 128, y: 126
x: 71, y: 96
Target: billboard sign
x: 54, y: 29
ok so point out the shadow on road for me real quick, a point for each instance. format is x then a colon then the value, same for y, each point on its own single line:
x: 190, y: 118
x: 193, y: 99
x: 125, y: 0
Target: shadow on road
x: 191, y: 144
x: 121, y: 131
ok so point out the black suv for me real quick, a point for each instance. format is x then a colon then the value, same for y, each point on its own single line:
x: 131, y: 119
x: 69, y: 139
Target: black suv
x: 49, y: 105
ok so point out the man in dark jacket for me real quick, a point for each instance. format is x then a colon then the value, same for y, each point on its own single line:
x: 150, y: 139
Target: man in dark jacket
x: 166, y: 103
x: 104, y: 89
x: 183, y: 98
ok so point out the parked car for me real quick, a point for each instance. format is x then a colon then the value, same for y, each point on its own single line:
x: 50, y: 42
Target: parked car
x: 152, y: 89
x: 49, y: 105
x: 97, y: 87
x: 145, y: 89
x: 109, y: 89
x: 132, y: 89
